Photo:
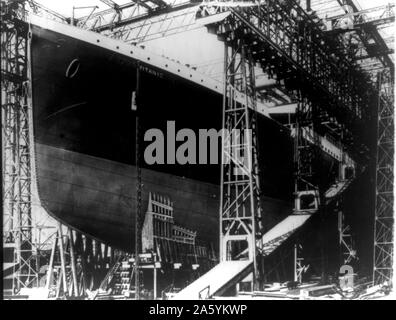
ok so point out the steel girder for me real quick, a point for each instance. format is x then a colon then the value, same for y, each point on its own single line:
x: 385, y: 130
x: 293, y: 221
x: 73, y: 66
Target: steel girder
x: 384, y: 216
x: 240, y: 207
x: 290, y: 46
x: 16, y: 145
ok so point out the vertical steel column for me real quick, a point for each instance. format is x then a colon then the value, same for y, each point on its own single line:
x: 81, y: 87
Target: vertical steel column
x: 240, y: 208
x: 384, y: 219
x: 16, y: 144
x: 299, y: 267
x: 306, y: 142
x: 347, y: 253
x: 305, y: 145
x: 138, y: 229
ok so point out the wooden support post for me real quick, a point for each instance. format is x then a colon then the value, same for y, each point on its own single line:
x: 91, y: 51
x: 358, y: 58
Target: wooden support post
x: 73, y: 263
x: 105, y: 256
x: 62, y: 257
x: 155, y: 281
x: 59, y: 283
x: 50, y: 270
x: 82, y: 246
x: 295, y: 262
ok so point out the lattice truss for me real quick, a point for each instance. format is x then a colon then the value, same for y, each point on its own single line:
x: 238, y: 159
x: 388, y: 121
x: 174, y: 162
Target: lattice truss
x: 348, y: 253
x: 240, y: 208
x: 305, y: 153
x: 130, y: 21
x: 295, y: 47
x: 142, y: 20
x: 291, y: 47
x: 17, y: 195
x: 367, y: 32
x: 384, y: 215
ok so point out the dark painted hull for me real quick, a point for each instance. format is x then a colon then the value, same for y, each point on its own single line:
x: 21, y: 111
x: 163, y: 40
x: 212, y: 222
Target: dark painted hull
x: 85, y: 137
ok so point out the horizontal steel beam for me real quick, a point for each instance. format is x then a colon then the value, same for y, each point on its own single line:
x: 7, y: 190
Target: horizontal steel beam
x: 140, y: 17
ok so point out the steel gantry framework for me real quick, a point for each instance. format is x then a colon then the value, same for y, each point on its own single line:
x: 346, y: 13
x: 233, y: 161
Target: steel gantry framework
x: 353, y: 20
x: 16, y: 145
x: 119, y: 16
x: 289, y: 46
x: 384, y: 216
x: 335, y: 96
x: 359, y: 30
x: 135, y: 22
x: 240, y: 207
x: 305, y: 151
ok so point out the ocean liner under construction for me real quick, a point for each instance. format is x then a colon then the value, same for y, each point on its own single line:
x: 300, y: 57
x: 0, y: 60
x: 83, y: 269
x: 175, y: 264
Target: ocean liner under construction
x: 85, y: 137
x: 96, y: 102
x: 84, y: 130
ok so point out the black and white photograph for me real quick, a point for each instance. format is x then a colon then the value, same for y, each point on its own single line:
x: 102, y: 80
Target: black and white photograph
x: 232, y: 150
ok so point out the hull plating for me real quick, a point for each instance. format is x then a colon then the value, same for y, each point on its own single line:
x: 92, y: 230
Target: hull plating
x: 85, y: 142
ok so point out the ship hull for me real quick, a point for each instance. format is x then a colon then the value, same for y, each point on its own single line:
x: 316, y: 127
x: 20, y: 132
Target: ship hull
x: 84, y: 132
x: 98, y: 196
